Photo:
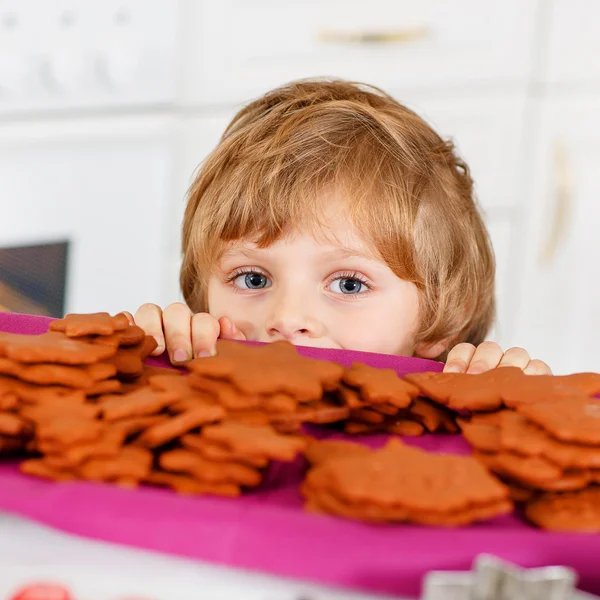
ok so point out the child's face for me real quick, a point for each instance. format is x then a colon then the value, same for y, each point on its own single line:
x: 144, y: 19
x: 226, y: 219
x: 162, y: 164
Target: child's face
x: 329, y: 291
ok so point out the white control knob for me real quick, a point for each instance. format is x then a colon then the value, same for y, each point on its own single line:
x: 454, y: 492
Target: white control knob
x: 118, y: 68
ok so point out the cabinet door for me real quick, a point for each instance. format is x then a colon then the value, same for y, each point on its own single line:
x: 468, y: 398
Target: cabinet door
x: 101, y: 184
x: 573, y: 42
x: 235, y: 50
x: 558, y: 319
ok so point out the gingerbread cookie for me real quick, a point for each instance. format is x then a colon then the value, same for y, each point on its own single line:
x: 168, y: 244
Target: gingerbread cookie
x: 269, y: 369
x: 380, y: 385
x: 570, y: 512
x: 76, y: 325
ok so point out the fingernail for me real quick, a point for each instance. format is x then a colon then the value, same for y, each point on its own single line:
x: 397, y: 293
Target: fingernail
x: 233, y: 328
x: 452, y: 369
x: 159, y: 350
x: 206, y: 353
x: 180, y: 355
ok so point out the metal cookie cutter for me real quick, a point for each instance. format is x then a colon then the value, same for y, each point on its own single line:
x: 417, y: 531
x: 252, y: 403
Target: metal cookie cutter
x: 495, y: 579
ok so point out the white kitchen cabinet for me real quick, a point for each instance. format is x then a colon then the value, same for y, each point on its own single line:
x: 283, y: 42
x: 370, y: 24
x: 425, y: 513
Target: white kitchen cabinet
x: 102, y: 184
x: 558, y: 317
x: 235, y: 50
x: 573, y: 43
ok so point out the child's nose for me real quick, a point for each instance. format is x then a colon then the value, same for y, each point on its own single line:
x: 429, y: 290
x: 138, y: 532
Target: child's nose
x: 290, y: 320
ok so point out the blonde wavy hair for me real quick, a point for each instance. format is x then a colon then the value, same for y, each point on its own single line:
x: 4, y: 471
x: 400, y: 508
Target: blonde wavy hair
x: 405, y: 189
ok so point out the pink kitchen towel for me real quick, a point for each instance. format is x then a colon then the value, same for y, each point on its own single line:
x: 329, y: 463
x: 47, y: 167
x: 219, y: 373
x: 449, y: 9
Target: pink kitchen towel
x: 267, y: 530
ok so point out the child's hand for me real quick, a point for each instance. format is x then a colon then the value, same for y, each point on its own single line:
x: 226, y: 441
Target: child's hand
x: 183, y: 335
x: 466, y: 358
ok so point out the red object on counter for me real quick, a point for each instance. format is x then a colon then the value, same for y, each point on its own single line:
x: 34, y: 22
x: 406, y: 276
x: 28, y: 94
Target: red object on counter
x: 43, y: 591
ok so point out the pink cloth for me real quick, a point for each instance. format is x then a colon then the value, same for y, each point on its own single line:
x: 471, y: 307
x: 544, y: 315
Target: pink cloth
x: 267, y: 530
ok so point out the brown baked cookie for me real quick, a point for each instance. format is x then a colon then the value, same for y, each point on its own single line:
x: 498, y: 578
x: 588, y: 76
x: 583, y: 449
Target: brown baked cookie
x: 129, y: 360
x: 481, y: 436
x: 400, y: 475
x: 400, y: 483
x: 219, y: 453
x: 461, y: 391
x: 108, y: 386
x: 130, y: 336
x: 31, y: 393
x: 52, y: 348
x: 279, y: 403
x: 130, y: 463
x: 175, y: 427
x: 38, y: 467
x: 573, y: 419
x: 9, y: 401
x: 107, y: 446
x: 321, y: 412
x: 380, y: 385
x: 573, y: 511
x: 255, y: 440
x: 529, y: 471
x: 42, y: 413
x: 140, y: 403
x: 406, y: 427
x: 182, y: 484
x: 269, y: 369
x: 12, y: 424
x: 225, y: 393
x: 76, y: 325
x: 191, y: 463
x: 70, y: 430
x: 318, y: 451
x: 54, y: 374
x: 550, y: 387
x: 367, y: 416
x: 433, y: 417
x: 351, y: 397
x: 517, y: 434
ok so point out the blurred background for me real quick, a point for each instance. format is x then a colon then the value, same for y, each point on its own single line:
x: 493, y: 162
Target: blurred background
x: 108, y: 106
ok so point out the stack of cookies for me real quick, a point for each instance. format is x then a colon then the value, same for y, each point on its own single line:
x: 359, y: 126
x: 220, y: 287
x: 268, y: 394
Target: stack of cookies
x: 401, y: 484
x: 270, y: 384
x: 81, y: 401
x: 541, y: 450
x: 381, y: 402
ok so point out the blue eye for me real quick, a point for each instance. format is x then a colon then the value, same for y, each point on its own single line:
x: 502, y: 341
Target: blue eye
x: 347, y: 285
x: 252, y: 281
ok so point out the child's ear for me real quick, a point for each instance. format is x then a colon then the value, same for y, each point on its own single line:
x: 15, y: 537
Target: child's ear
x: 431, y: 350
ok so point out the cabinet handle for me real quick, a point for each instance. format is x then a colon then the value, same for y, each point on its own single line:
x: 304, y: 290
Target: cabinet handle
x: 393, y: 36
x: 563, y: 205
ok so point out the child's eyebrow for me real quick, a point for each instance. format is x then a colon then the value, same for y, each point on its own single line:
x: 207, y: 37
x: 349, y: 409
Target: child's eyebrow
x: 345, y: 252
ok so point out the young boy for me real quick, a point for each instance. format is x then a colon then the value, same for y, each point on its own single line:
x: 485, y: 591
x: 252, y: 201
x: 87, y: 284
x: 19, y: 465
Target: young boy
x: 332, y: 216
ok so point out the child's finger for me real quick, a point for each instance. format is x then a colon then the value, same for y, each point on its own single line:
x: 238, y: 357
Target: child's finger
x: 149, y: 318
x: 205, y: 331
x: 515, y: 357
x: 537, y: 367
x: 229, y: 331
x: 129, y: 317
x: 459, y: 358
x: 487, y: 356
x: 176, y: 321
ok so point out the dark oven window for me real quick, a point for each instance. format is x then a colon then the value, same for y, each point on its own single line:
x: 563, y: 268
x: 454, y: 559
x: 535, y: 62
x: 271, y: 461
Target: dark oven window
x: 33, y: 278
